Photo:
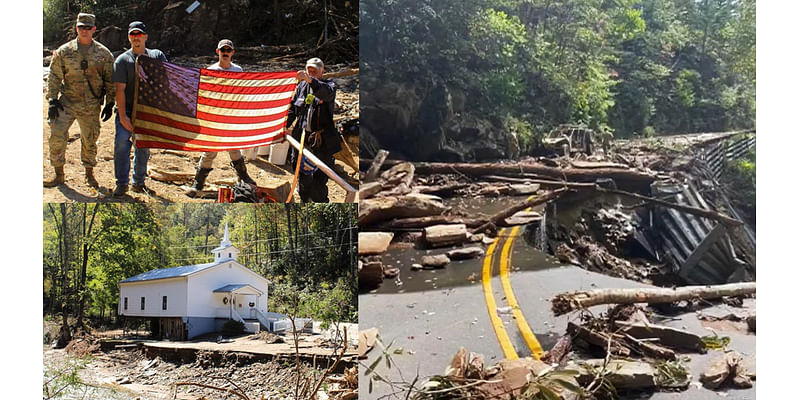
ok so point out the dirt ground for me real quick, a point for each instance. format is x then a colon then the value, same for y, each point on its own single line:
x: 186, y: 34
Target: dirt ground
x: 124, y: 374
x: 180, y: 163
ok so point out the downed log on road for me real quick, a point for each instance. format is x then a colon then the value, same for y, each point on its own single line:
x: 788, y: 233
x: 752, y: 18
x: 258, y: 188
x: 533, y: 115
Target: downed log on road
x: 624, y: 177
x: 533, y: 201
x: 566, y: 302
x: 374, y: 210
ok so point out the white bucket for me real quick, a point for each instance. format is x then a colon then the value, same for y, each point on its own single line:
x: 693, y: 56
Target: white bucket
x: 278, y: 152
x: 249, y: 154
x: 263, y: 151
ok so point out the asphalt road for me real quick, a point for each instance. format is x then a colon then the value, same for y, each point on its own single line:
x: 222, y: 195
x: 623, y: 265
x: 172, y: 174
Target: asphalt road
x: 428, y: 324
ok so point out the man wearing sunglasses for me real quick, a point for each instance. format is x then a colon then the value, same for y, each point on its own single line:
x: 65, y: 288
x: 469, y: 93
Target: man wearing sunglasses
x: 80, y: 76
x: 312, y: 106
x: 124, y: 78
x: 225, y: 54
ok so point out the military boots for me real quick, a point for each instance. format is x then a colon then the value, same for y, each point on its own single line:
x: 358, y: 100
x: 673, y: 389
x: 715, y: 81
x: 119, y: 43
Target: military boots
x: 90, y: 177
x: 58, y: 179
x: 199, y: 181
x: 241, y: 171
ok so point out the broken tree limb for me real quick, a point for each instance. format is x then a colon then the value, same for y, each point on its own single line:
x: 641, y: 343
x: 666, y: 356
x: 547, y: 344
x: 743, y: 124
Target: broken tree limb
x: 680, y: 207
x: 373, y: 170
x: 566, y: 302
x: 533, y: 201
x: 599, y: 339
x: 422, y: 222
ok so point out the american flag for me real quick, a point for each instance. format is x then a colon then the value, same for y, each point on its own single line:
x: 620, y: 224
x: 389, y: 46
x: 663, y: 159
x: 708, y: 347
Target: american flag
x: 195, y: 109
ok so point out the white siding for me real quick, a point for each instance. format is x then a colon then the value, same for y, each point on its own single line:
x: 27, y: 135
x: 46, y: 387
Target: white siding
x: 153, y: 292
x: 204, y: 301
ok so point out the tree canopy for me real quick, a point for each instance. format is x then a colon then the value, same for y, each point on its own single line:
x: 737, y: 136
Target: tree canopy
x: 627, y: 66
x: 89, y: 248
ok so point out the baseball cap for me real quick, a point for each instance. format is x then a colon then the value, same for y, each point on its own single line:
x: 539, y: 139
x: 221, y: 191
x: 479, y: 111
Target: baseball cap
x: 315, y: 62
x: 225, y: 42
x: 85, y: 19
x: 137, y: 26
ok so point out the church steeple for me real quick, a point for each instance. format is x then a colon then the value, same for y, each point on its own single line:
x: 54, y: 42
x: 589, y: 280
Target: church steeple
x: 226, y: 250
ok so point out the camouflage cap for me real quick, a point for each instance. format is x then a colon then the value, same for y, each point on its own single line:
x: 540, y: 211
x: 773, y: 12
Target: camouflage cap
x: 85, y: 19
x: 225, y: 42
x: 316, y: 63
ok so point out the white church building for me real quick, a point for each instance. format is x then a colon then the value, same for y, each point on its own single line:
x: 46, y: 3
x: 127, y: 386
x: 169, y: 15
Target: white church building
x: 191, y: 300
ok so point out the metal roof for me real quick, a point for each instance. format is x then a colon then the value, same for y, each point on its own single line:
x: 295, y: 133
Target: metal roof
x: 173, y: 272
x: 234, y: 287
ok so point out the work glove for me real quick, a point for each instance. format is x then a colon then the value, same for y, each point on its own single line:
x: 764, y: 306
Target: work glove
x: 52, y: 111
x: 107, y: 111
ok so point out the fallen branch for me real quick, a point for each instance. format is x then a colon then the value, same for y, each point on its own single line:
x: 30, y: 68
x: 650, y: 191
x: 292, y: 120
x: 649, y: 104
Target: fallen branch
x: 313, y: 393
x: 680, y: 207
x: 242, y: 395
x: 566, y: 302
x: 373, y: 170
x: 530, y: 202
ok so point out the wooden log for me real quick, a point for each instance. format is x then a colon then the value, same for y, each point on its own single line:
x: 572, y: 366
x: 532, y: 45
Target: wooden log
x: 445, y: 235
x: 566, y: 302
x: 559, y: 350
x: 599, y: 339
x: 368, y: 190
x: 373, y: 170
x: 624, y: 177
x: 372, y: 211
x: 341, y: 74
x: 502, y: 215
x: 680, y: 207
x: 441, y: 190
x: 422, y: 222
x: 647, y: 349
x: 373, y: 242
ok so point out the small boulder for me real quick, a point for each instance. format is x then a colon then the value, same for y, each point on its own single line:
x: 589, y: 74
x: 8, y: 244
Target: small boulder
x: 465, y: 253
x: 437, y: 261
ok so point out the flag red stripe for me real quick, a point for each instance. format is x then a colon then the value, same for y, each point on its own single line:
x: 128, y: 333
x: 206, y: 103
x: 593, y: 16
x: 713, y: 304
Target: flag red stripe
x: 249, y: 143
x: 147, y: 144
x: 202, y: 129
x: 246, y: 89
x: 241, y: 105
x: 254, y: 76
x: 240, y: 120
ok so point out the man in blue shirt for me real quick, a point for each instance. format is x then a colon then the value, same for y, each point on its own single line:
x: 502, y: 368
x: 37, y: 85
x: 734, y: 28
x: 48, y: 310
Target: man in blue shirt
x: 124, y: 78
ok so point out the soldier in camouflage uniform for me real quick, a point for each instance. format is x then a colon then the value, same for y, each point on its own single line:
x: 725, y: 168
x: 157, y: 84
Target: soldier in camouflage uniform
x: 80, y: 75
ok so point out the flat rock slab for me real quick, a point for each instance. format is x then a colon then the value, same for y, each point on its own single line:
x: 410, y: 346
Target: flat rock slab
x: 437, y: 261
x: 523, y: 218
x: 465, y: 253
x: 667, y: 336
x: 445, y: 235
x: 374, y: 210
x: 622, y: 374
x: 373, y: 242
x: 521, y: 189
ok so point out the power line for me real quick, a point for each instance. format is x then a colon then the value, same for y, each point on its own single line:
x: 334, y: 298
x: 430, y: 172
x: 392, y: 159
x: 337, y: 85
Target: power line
x: 269, y: 240
x: 273, y: 252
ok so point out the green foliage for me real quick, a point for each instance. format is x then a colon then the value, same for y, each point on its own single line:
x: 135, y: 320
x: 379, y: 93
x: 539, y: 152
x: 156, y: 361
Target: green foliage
x: 232, y: 328
x: 676, y: 66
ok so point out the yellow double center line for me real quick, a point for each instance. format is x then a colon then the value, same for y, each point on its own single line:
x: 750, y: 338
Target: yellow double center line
x: 499, y: 329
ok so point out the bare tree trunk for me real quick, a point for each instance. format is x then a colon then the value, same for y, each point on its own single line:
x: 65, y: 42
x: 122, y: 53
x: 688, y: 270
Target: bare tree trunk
x: 566, y: 302
x: 87, y: 231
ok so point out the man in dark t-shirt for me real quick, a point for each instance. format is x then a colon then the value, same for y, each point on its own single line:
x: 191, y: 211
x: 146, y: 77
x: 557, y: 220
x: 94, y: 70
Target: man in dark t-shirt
x: 124, y: 78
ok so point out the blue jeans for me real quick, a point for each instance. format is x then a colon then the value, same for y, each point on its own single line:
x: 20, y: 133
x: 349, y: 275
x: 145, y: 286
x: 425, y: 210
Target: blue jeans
x: 122, y: 157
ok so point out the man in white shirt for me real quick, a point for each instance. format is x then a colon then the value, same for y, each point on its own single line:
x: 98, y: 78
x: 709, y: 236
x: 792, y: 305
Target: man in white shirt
x: 225, y: 53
